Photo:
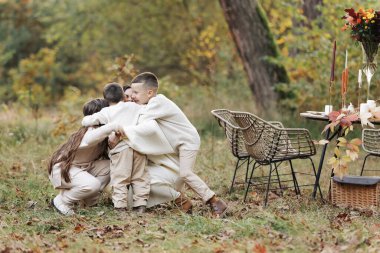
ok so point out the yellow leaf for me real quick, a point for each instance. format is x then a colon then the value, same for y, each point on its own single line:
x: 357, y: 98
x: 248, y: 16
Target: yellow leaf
x: 342, y: 140
x: 340, y: 144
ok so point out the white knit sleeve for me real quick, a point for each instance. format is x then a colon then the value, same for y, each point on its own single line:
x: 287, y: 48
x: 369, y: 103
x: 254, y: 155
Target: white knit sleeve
x: 157, y: 108
x: 94, y: 136
x: 95, y: 119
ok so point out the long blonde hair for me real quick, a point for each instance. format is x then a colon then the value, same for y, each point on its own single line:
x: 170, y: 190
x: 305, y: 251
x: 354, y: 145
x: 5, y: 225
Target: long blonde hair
x: 66, y: 152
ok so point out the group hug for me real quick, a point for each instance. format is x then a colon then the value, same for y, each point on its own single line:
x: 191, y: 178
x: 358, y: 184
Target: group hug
x: 134, y: 140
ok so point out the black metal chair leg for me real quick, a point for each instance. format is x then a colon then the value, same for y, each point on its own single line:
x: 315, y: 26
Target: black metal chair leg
x: 268, y: 185
x: 365, y: 159
x: 296, y: 187
x: 246, y: 173
x: 315, y: 174
x: 249, y: 182
x: 278, y: 177
x: 233, y: 179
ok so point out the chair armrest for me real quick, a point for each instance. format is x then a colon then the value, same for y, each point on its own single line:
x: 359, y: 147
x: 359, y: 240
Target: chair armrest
x: 371, y: 141
x: 295, y: 141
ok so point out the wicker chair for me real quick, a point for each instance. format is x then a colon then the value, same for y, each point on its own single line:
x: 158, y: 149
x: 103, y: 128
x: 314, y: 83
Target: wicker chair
x: 271, y: 145
x: 236, y: 141
x: 371, y: 145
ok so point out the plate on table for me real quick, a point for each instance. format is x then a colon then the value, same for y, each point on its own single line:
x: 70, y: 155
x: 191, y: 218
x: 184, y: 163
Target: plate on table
x: 316, y: 113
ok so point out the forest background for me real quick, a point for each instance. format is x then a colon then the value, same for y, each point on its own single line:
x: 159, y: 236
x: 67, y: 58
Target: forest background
x: 56, y: 55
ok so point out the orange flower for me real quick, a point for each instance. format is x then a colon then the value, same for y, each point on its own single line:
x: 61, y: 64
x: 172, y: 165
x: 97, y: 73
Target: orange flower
x: 362, y: 13
x: 359, y: 20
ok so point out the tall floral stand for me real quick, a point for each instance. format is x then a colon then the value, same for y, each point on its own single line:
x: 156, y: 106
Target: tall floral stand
x: 370, y: 50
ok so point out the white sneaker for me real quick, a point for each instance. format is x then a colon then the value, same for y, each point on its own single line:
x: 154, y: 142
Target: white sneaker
x: 61, y: 207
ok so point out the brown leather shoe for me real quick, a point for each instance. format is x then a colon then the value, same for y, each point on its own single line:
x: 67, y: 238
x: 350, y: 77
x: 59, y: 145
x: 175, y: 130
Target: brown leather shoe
x: 184, y: 204
x: 218, y: 207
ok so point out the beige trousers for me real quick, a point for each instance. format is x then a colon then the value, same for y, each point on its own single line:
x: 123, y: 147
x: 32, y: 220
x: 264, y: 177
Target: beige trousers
x: 84, y: 185
x: 186, y: 164
x: 128, y: 168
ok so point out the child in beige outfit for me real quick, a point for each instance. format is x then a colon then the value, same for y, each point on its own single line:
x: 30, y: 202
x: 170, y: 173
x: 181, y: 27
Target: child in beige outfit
x: 127, y: 166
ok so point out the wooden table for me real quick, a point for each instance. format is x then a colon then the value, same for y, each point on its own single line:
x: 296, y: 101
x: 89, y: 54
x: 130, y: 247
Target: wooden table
x: 329, y: 136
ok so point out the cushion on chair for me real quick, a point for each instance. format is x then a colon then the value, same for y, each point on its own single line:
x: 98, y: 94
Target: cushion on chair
x: 359, y: 180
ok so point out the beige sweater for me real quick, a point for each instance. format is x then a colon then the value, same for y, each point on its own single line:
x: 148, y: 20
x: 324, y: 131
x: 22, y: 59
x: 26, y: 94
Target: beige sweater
x: 175, y: 126
x: 123, y: 113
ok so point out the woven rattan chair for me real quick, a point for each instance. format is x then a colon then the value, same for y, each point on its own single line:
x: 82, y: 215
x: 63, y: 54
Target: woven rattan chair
x: 371, y: 145
x: 236, y: 141
x: 271, y: 145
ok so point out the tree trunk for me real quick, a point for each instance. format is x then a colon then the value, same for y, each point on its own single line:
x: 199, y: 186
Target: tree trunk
x: 256, y: 47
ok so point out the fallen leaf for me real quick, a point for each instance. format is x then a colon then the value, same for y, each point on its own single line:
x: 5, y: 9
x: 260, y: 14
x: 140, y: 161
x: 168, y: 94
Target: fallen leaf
x: 259, y: 248
x: 79, y: 228
x: 218, y: 250
x: 16, y: 167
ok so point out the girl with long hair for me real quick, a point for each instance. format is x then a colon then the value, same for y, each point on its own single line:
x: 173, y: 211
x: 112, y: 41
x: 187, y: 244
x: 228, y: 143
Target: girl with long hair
x: 78, y: 168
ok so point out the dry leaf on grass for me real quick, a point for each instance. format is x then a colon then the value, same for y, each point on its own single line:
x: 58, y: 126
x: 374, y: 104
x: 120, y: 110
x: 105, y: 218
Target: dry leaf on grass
x: 259, y: 248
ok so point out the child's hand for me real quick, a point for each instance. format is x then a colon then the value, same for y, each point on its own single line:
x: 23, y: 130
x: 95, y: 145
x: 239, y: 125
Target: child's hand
x: 116, y: 136
x: 119, y: 131
x: 113, y: 140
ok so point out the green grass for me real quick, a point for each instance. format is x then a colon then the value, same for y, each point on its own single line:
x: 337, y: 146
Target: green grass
x: 289, y: 224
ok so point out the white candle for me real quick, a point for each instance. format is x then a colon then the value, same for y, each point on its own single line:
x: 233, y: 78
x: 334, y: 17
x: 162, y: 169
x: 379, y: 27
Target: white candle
x: 345, y: 64
x: 360, y: 78
x: 364, y: 108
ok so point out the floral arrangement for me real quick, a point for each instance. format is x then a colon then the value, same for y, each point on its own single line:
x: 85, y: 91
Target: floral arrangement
x: 365, y: 28
x: 347, y: 150
x: 364, y: 24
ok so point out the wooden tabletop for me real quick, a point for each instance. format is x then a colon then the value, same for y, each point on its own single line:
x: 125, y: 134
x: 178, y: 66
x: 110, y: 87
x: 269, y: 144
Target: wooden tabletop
x: 315, y: 116
x: 323, y: 117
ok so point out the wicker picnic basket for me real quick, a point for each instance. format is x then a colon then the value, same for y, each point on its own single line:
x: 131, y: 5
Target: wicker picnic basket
x: 355, y: 191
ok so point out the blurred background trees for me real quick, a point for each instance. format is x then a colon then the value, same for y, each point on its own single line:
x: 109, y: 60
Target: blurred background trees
x: 50, y: 48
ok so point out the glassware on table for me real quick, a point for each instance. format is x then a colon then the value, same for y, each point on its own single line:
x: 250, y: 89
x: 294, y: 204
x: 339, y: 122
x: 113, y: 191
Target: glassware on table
x: 369, y: 49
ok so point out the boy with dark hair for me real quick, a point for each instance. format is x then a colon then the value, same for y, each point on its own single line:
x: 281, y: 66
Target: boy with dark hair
x: 113, y: 93
x: 180, y: 133
x: 127, y: 166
